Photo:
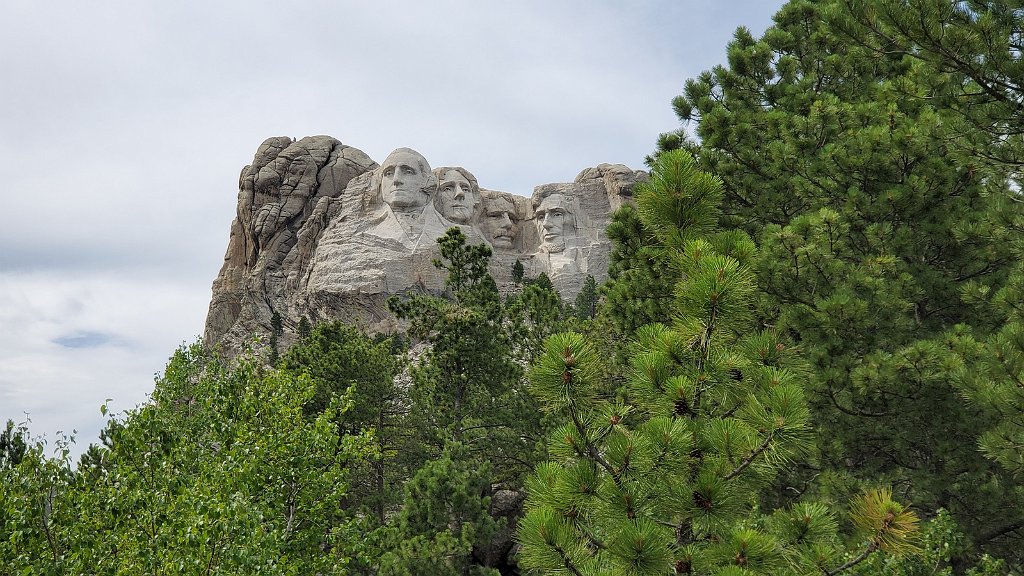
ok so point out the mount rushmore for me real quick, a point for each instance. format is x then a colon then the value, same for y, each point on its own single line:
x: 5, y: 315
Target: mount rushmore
x: 324, y: 232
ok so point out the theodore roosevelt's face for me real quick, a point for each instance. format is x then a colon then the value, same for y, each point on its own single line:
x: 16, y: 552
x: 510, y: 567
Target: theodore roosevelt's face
x: 402, y: 179
x: 554, y: 222
x: 456, y: 198
x: 499, y: 225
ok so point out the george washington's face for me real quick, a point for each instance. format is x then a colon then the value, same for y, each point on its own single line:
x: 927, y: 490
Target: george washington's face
x: 402, y: 178
x: 554, y: 222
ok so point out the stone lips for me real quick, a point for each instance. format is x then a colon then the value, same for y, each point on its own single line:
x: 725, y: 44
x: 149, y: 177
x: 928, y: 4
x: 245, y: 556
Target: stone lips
x: 324, y: 232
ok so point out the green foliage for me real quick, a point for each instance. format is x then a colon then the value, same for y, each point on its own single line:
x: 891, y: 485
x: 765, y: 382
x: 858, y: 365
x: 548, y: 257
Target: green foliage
x: 972, y: 54
x: 840, y: 244
x: 220, y: 471
x: 639, y: 286
x: 887, y: 524
x: 665, y: 477
x: 36, y: 513
x: 276, y: 330
x: 305, y: 328
x: 345, y: 365
x: 341, y: 361
x: 969, y: 55
x: 533, y: 314
x: 466, y: 385
x: 991, y: 380
x: 517, y: 272
x: 444, y: 516
x: 646, y: 241
x: 941, y: 542
x: 680, y: 202
x: 476, y: 426
x: 586, y: 301
x: 852, y: 145
x: 542, y: 281
x: 12, y: 445
x: 468, y: 280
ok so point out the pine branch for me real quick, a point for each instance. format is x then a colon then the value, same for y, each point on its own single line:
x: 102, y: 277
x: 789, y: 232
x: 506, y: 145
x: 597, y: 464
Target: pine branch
x: 567, y: 562
x: 850, y: 411
x: 746, y: 462
x: 1001, y: 531
x: 853, y: 562
x: 592, y: 450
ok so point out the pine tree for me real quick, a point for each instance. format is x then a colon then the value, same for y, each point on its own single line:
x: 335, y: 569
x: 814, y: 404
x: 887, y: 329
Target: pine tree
x: 971, y: 58
x: 466, y: 375
x: 639, y: 286
x: 533, y: 314
x: 841, y: 160
x: 517, y: 272
x: 346, y: 365
x: 972, y: 52
x: 442, y: 520
x: 305, y: 328
x: 664, y: 478
x: 586, y: 300
x: 276, y: 330
x: 469, y: 409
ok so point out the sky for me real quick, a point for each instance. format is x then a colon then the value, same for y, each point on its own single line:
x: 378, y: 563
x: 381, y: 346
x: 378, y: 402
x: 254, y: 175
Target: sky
x: 124, y: 125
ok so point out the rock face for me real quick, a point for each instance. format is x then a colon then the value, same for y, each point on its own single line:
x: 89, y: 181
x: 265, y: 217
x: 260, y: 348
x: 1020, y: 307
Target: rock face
x: 324, y: 232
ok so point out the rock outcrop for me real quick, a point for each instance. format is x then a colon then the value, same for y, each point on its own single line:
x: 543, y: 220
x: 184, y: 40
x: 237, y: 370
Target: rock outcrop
x: 324, y: 232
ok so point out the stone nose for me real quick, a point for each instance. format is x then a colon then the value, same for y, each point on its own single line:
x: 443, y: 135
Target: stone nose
x: 460, y: 193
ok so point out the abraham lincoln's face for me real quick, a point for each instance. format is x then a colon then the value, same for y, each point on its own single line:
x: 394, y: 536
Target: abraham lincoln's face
x: 555, y: 222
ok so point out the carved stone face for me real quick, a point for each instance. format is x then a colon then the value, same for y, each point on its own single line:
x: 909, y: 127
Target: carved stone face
x: 499, y: 224
x: 555, y: 222
x: 457, y: 201
x: 402, y: 178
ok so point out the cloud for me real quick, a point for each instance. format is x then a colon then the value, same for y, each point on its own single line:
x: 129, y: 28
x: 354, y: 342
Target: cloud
x: 84, y: 340
x: 71, y: 341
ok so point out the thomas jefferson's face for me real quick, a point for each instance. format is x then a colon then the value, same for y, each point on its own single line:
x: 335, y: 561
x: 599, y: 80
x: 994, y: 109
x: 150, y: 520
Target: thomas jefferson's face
x: 402, y: 179
x: 456, y: 197
x: 499, y: 225
x: 554, y: 222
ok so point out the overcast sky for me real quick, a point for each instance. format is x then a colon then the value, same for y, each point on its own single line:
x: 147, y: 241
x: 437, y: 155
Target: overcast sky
x: 125, y: 125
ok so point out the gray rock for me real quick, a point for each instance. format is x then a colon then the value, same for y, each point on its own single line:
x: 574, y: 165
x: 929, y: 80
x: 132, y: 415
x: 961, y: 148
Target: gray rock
x: 322, y: 231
